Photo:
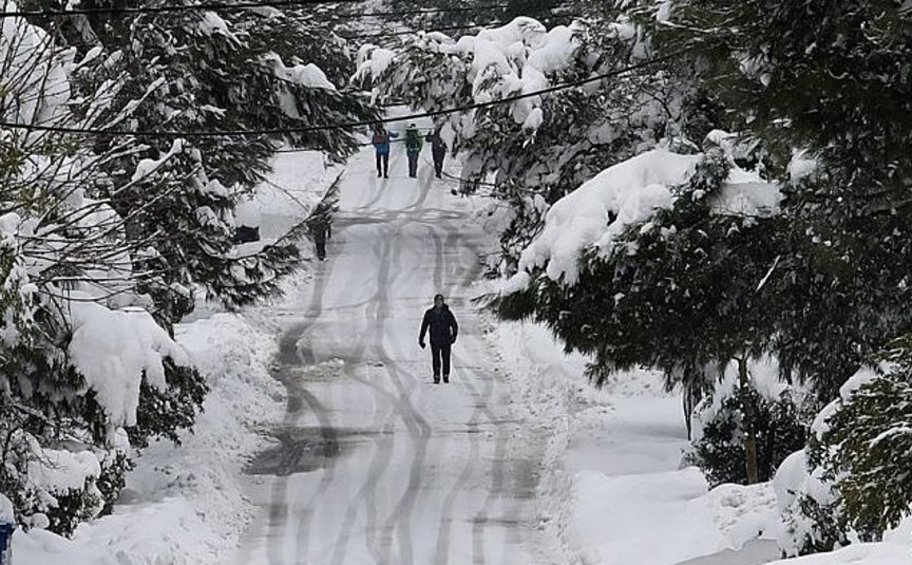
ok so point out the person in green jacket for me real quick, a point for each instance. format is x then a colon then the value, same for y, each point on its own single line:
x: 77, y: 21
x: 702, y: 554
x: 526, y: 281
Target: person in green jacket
x: 413, y: 145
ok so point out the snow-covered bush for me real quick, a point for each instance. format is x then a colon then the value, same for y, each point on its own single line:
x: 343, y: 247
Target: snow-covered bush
x: 772, y: 410
x: 853, y: 482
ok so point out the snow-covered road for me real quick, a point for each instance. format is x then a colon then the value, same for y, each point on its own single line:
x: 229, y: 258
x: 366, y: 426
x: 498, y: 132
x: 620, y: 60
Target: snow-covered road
x: 376, y: 464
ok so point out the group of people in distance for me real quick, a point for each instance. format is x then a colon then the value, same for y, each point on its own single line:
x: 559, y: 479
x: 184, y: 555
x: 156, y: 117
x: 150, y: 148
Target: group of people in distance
x: 414, y: 142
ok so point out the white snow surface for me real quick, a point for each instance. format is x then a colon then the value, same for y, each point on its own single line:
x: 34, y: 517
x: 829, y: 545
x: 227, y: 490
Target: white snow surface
x: 628, y: 192
x: 6, y: 510
x: 859, y: 554
x: 59, y: 470
x: 309, y: 75
x: 41, y: 87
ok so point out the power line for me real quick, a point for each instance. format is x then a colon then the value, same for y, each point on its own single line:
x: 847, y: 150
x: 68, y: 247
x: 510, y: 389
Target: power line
x: 412, y: 32
x: 223, y: 6
x: 172, y: 8
x: 349, y: 125
x: 422, y: 11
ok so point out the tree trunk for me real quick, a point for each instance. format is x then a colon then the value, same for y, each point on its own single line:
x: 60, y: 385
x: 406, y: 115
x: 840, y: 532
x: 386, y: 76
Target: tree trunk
x: 750, y: 444
x: 692, y: 396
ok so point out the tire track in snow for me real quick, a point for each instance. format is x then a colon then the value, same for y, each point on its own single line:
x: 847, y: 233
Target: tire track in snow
x: 384, y: 441
x: 418, y: 428
x: 289, y: 358
x: 382, y: 458
x: 441, y: 552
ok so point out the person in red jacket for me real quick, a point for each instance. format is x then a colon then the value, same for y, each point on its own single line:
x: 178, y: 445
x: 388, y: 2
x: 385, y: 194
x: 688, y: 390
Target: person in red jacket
x: 443, y: 328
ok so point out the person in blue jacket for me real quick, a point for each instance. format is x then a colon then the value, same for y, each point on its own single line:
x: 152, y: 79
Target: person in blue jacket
x: 443, y: 329
x: 381, y: 143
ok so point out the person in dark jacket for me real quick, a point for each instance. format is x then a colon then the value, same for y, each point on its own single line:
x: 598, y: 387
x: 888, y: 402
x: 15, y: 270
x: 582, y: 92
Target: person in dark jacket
x: 320, y: 226
x: 443, y: 328
x: 381, y: 142
x: 413, y: 145
x: 438, y: 151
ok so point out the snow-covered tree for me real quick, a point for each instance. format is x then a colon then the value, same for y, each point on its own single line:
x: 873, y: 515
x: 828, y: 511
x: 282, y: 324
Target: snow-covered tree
x: 256, y: 69
x: 659, y: 261
x: 830, y: 80
x: 777, y: 416
x: 537, y: 149
x: 103, y: 235
x: 84, y: 369
x: 851, y: 481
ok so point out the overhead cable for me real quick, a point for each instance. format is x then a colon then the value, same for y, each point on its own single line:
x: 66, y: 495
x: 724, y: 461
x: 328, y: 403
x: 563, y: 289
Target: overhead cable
x: 348, y: 125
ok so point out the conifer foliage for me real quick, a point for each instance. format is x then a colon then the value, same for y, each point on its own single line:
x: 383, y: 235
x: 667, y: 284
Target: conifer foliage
x: 107, y: 237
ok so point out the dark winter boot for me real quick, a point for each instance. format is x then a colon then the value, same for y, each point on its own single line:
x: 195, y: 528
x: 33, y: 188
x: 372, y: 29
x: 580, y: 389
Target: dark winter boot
x: 436, y: 379
x: 446, y: 378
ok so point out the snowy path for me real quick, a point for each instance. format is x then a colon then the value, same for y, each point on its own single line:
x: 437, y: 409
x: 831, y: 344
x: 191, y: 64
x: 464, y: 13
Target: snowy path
x: 376, y: 464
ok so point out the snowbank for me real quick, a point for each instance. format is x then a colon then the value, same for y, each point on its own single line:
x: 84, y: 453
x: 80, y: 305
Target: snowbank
x: 186, y: 504
x: 859, y: 554
x: 612, y: 490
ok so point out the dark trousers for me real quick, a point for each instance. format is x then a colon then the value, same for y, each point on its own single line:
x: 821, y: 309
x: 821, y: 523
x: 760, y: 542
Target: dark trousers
x: 438, y: 162
x: 321, y: 247
x: 440, y: 353
x: 383, y: 164
x: 413, y: 164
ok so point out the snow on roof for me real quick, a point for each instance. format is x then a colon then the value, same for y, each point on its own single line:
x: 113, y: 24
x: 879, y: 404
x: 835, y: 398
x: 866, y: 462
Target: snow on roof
x: 626, y: 194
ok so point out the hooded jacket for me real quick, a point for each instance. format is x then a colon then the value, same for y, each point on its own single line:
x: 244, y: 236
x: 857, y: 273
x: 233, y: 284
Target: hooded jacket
x: 442, y: 324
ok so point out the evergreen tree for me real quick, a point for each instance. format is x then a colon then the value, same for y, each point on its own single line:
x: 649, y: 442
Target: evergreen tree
x: 71, y: 361
x: 98, y: 229
x: 206, y: 72
x: 831, y: 79
x: 719, y: 445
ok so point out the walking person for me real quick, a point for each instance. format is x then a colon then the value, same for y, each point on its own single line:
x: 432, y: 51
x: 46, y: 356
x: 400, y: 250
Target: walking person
x: 320, y: 227
x: 443, y: 329
x: 381, y: 143
x: 438, y: 151
x: 413, y: 145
